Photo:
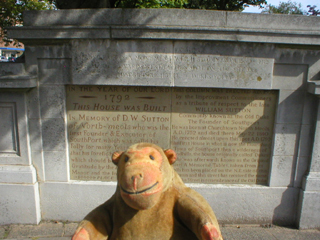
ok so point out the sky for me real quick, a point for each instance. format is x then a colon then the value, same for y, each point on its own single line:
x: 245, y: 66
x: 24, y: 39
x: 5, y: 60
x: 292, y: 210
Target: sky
x: 304, y: 4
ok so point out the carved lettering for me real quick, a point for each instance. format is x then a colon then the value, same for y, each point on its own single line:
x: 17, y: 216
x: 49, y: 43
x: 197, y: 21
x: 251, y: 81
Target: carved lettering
x: 220, y: 135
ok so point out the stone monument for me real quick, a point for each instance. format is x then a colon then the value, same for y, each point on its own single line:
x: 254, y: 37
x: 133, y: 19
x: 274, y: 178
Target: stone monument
x: 236, y: 98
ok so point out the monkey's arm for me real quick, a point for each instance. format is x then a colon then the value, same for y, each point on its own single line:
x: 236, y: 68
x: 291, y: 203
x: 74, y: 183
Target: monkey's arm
x: 97, y: 225
x: 194, y: 211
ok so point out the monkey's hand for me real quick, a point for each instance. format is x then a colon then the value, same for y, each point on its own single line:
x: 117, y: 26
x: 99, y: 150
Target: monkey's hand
x: 209, y: 232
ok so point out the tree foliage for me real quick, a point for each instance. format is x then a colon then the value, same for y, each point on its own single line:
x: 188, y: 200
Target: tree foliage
x: 11, y: 11
x: 313, y: 11
x: 285, y: 8
x: 230, y: 5
x: 150, y: 4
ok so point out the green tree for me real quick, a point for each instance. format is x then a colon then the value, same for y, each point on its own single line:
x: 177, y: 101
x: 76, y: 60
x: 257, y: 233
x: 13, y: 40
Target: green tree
x: 285, y: 8
x: 227, y: 5
x: 11, y: 11
x: 313, y: 11
x: 230, y: 5
x: 150, y: 4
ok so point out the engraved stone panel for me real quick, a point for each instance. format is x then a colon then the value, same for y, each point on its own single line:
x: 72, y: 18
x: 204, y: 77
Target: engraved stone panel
x: 105, y: 119
x: 223, y: 71
x: 223, y: 135
x: 8, y: 129
x: 163, y: 64
x: 220, y: 135
x: 103, y: 62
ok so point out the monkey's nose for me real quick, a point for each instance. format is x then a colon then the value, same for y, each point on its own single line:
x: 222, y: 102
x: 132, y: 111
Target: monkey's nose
x: 137, y: 176
x: 136, y: 179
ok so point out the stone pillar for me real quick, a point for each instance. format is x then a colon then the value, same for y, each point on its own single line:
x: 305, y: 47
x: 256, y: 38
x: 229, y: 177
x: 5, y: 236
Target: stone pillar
x: 309, y: 204
x: 19, y: 188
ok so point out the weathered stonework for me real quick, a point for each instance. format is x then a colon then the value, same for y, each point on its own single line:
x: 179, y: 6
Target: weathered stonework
x: 169, y: 71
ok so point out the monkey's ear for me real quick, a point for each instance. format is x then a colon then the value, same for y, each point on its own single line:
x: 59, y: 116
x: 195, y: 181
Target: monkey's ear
x: 171, y: 155
x: 116, y: 157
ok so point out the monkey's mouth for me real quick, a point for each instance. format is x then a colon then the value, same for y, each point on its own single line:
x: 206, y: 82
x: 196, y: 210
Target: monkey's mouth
x: 139, y: 192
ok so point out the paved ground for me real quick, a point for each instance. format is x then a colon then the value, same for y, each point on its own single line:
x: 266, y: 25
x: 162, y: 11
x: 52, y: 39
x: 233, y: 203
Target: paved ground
x: 63, y: 231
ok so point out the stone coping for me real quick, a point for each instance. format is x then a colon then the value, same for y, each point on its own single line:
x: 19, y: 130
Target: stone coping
x: 14, y: 75
x: 314, y: 87
x: 168, y: 24
x: 170, y: 17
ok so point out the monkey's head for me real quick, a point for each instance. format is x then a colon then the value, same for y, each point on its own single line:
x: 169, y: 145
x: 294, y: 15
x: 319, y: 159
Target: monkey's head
x: 144, y: 173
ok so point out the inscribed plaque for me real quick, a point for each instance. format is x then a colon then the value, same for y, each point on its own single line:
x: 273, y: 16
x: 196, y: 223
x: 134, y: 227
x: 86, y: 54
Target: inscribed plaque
x: 223, y: 71
x: 104, y: 119
x: 159, y: 63
x: 223, y: 135
x: 220, y: 135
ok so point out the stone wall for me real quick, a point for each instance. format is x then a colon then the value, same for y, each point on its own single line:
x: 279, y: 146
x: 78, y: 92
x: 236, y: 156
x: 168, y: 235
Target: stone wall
x: 236, y: 95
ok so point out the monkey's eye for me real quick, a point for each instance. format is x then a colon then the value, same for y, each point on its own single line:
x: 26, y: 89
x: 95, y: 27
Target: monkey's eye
x: 126, y: 159
x: 151, y: 157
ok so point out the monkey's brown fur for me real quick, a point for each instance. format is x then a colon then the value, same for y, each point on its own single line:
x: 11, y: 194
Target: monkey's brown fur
x: 150, y: 202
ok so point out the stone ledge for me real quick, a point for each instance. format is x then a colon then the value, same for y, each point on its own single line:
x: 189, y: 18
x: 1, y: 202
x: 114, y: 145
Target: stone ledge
x: 216, y: 33
x: 312, y: 182
x: 168, y: 24
x: 314, y: 87
x: 270, y: 204
x: 169, y: 33
x: 60, y: 32
x: 17, y: 174
x: 169, y: 17
x: 13, y: 75
x: 18, y: 82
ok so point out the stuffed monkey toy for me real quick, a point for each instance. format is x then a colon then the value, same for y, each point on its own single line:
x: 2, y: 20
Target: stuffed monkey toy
x: 151, y: 202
